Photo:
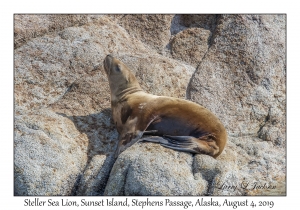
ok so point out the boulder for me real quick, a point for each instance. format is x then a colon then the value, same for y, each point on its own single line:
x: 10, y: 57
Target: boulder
x: 49, y: 154
x: 242, y: 77
x: 150, y: 169
x: 207, y: 22
x: 64, y: 137
x: 190, y: 45
x: 153, y: 30
x: 27, y: 27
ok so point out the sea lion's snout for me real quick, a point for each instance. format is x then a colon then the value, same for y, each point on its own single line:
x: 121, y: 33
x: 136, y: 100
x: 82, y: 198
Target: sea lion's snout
x: 109, y: 57
x: 112, y: 65
x: 107, y: 63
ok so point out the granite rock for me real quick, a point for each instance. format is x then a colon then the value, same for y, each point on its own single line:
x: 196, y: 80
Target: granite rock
x: 153, y: 30
x: 190, y: 45
x: 150, y: 169
x: 64, y: 138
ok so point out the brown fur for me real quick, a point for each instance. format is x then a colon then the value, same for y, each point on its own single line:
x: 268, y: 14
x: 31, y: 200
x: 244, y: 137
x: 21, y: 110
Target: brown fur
x: 187, y: 126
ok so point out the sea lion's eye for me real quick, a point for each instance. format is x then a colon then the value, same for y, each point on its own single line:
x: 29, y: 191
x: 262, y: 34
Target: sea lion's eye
x: 118, y: 68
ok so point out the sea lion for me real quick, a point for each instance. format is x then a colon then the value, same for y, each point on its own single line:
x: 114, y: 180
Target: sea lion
x: 174, y: 123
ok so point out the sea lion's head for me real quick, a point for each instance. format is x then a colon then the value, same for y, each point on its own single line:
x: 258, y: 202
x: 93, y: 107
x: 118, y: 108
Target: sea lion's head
x: 119, y: 75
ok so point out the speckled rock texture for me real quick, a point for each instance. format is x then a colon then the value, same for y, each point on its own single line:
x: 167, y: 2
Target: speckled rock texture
x: 190, y: 45
x: 64, y: 138
x: 30, y: 26
x: 242, y: 77
x: 152, y: 30
x: 135, y: 173
x: 50, y: 154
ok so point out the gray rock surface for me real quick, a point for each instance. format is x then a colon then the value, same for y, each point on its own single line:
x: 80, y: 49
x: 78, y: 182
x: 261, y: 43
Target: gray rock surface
x: 242, y: 77
x: 50, y: 154
x: 64, y: 141
x: 137, y: 172
x: 190, y: 45
x: 27, y: 27
x: 153, y: 30
x: 207, y: 22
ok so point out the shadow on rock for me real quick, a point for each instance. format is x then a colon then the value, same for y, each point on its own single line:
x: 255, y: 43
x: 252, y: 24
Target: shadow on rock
x: 102, y: 138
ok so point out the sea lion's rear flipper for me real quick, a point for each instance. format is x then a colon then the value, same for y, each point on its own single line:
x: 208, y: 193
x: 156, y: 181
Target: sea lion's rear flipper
x: 201, y: 145
x: 155, y: 139
x: 181, y: 143
x: 151, y: 132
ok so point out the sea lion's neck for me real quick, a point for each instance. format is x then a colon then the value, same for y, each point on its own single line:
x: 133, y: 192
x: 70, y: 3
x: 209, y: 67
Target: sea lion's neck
x: 122, y: 85
x: 121, y: 95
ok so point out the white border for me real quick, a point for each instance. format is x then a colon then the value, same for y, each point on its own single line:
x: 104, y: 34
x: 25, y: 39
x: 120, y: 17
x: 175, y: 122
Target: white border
x: 8, y: 201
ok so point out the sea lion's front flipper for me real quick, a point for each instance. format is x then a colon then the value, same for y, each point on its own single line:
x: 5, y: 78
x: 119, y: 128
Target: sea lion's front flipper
x: 200, y: 145
x: 129, y: 139
x: 126, y: 141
